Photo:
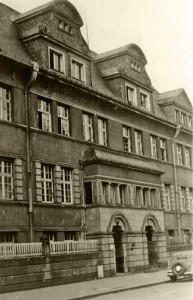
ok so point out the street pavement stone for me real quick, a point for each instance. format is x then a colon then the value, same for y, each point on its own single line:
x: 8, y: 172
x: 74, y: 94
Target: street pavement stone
x: 87, y: 289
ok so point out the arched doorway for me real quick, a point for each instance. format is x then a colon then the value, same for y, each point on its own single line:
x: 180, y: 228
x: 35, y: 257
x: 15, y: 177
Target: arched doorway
x: 119, y: 226
x: 151, y: 226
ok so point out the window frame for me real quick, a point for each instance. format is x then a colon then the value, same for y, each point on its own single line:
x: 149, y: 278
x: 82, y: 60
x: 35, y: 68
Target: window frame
x: 63, y: 121
x: 6, y: 179
x: 81, y: 71
x: 179, y: 155
x: 154, y: 148
x: 146, y: 100
x: 88, y: 130
x: 177, y: 116
x: 189, y: 121
x: 163, y: 150
x: 66, y: 183
x: 45, y: 115
x: 138, y: 150
x: 167, y: 193
x: 131, y: 98
x: 126, y: 139
x: 45, y: 181
x: 61, y: 62
x: 183, y: 198
x: 5, y: 103
x: 188, y: 157
x: 102, y: 132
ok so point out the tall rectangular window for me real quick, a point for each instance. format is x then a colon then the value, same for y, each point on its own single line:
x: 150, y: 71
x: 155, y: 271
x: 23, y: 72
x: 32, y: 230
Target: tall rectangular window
x: 167, y: 197
x: 153, y: 140
x: 63, y: 120
x: 113, y: 193
x: 77, y: 70
x: 66, y: 185
x: 179, y: 155
x: 5, y: 104
x: 126, y: 139
x: 163, y: 149
x: 144, y: 100
x: 56, y: 60
x: 177, y: 116
x: 88, y: 127
x: 187, y: 157
x: 184, y: 119
x: 183, y: 194
x: 47, y: 183
x: 6, y: 179
x: 102, y: 131
x: 190, y: 122
x: 105, y: 191
x: 138, y: 143
x: 44, y: 115
x: 131, y: 94
x: 122, y: 193
x: 191, y: 198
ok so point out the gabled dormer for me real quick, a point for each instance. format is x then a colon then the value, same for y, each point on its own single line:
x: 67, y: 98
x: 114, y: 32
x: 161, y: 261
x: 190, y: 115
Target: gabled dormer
x: 52, y: 35
x: 124, y: 70
x: 177, y: 107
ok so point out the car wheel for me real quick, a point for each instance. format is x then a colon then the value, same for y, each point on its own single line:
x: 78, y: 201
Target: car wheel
x: 178, y: 269
x: 173, y: 278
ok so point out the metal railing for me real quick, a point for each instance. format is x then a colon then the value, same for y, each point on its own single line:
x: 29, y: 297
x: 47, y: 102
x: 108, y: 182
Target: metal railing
x: 33, y: 249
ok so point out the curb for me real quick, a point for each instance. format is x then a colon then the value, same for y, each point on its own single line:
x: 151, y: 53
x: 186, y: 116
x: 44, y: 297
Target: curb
x: 118, y: 290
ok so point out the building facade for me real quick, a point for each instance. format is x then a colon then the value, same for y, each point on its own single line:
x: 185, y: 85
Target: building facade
x: 88, y: 148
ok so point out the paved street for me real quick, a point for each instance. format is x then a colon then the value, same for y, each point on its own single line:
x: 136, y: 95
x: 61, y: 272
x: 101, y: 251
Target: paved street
x: 174, y: 291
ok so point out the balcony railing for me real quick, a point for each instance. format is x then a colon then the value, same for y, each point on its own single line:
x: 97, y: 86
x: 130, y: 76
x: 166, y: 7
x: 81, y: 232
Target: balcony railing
x: 34, y: 249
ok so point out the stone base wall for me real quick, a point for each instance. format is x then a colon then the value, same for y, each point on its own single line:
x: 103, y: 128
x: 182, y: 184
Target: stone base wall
x: 35, y: 272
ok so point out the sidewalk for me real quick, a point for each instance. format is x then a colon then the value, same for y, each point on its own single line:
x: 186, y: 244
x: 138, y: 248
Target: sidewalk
x: 87, y: 289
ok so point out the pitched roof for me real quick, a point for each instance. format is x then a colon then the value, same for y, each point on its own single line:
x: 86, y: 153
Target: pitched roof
x: 170, y: 94
x: 131, y: 48
x: 96, y: 155
x: 10, y: 44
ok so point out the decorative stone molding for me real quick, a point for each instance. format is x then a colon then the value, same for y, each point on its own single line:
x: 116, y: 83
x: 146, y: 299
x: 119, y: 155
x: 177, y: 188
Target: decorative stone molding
x: 156, y: 223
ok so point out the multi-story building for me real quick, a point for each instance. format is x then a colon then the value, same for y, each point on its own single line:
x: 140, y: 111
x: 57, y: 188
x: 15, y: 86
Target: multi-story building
x: 88, y: 148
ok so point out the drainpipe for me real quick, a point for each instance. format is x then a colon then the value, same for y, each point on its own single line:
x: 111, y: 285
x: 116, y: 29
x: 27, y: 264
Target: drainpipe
x: 35, y: 69
x: 175, y: 180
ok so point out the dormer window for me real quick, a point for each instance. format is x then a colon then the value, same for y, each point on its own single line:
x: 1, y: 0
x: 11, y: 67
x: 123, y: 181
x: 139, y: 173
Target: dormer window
x: 135, y: 66
x: 131, y: 94
x: 65, y: 27
x: 144, y: 100
x: 78, y: 70
x: 56, y: 60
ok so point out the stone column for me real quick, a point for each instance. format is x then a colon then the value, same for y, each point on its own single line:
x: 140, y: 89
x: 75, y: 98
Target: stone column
x: 172, y: 197
x: 163, y: 197
x: 187, y: 195
x: 38, y: 181
x: 18, y: 179
x: 57, y: 181
x: 117, y: 199
x: 180, y: 198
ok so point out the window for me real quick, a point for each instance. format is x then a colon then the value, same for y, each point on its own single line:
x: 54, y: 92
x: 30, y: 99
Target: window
x: 138, y: 196
x: 56, y: 60
x: 44, y: 115
x: 163, y: 149
x: 113, y: 193
x: 167, y: 197
x: 63, y: 120
x: 184, y: 119
x: 191, y: 198
x: 187, y: 157
x: 77, y: 70
x: 70, y: 235
x: 131, y: 94
x: 135, y: 66
x: 189, y: 121
x: 47, y: 183
x: 122, y: 193
x: 105, y: 191
x: 138, y: 143
x: 5, y: 104
x: 179, y: 155
x: 51, y: 235
x: 145, y: 192
x: 144, y: 100
x: 153, y: 197
x: 8, y: 237
x: 102, y: 132
x: 126, y: 139
x: 6, y: 179
x: 88, y: 192
x: 88, y: 127
x: 153, y: 140
x: 66, y: 185
x: 177, y: 116
x: 183, y: 194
